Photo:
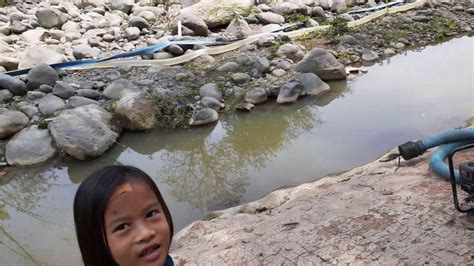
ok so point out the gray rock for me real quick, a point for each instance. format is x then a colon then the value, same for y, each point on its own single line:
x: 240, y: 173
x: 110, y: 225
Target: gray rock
x: 421, y: 18
x: 12, y: 84
x: 287, y: 8
x: 84, y: 132
x: 270, y: 18
x: 11, y: 122
x: 37, y: 55
x: 5, y: 95
x: 19, y: 27
x: 458, y: 8
x: 33, y: 36
x: 282, y: 63
x: 312, y: 84
x: 290, y: 51
x: 238, y: 28
x: 290, y: 92
x: 30, y: 146
x: 83, y: 51
x: 70, y: 26
x: 256, y: 96
x: 399, y: 45
x: 278, y: 73
x: 324, y: 4
x: 108, y: 38
x: 195, y: 23
x: 45, y: 88
x: 132, y: 33
x: 369, y: 55
x: 148, y: 15
x: 139, y: 22
x: 240, y: 77
x: 264, y: 7
x: 113, y: 75
x: 39, y: 75
x: 338, y: 5
x: 322, y: 63
x: 51, y: 18
x: 76, y: 101
x: 71, y: 36
x: 470, y: 10
x: 117, y: 88
x: 162, y: 55
x: 50, y: 104
x: 349, y: 40
x: 266, y: 41
x: 389, y: 52
x: 261, y: 64
x: 9, y: 63
x: 136, y: 111
x: 318, y: 12
x: 175, y: 50
x: 35, y: 95
x: 210, y: 90
x: 203, y: 117
x: 63, y: 90
x: 89, y: 93
x: 228, y: 67
x: 28, y: 109
x: 211, y: 102
x: 244, y: 107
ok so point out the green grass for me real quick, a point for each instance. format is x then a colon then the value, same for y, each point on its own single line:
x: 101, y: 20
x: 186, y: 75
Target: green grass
x: 296, y: 18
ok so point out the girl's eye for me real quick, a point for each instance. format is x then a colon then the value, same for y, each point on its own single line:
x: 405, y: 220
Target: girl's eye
x: 121, y: 227
x: 152, y: 213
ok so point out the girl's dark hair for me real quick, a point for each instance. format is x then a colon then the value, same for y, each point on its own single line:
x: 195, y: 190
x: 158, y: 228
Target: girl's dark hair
x: 89, y: 207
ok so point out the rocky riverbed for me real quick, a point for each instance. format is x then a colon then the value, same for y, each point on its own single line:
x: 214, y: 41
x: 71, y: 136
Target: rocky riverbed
x: 82, y: 113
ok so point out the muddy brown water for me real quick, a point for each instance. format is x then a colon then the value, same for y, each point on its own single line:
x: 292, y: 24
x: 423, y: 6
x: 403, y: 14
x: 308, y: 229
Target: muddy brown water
x: 245, y: 156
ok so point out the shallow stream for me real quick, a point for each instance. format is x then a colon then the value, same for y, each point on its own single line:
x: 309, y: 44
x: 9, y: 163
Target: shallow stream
x: 245, y: 156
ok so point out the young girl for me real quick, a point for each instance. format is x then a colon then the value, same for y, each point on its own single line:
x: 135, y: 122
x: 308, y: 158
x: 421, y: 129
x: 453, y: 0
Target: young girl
x: 122, y: 219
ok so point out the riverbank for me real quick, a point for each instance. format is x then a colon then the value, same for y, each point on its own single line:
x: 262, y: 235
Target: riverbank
x: 372, y: 214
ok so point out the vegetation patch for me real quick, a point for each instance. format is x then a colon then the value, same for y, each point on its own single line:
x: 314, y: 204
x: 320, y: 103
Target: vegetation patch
x: 296, y: 18
x: 173, y: 112
x: 442, y: 27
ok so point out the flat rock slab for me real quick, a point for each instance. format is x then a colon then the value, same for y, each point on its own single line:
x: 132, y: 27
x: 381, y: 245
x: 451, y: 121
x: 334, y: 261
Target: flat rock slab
x: 30, y: 146
x: 373, y: 214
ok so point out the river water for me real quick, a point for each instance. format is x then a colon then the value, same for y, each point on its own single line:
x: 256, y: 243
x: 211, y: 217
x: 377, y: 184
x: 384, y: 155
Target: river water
x: 245, y: 156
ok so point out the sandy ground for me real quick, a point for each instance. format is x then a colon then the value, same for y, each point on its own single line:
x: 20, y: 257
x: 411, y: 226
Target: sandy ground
x: 378, y: 213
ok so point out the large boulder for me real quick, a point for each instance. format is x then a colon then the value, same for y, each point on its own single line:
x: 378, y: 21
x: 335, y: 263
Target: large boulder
x: 30, y: 146
x: 84, y: 132
x: 203, y: 117
x: 11, y: 122
x: 33, y: 36
x: 37, y: 55
x: 39, y: 75
x: 322, y: 63
x: 51, y: 18
x: 290, y: 92
x: 194, y: 23
x: 136, y: 111
x: 12, y: 84
x: 313, y: 85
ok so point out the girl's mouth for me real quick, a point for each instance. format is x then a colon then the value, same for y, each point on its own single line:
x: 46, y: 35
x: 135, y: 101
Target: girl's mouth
x: 150, y: 253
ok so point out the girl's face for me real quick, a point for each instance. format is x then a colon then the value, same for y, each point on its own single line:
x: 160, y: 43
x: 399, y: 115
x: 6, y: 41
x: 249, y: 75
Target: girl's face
x: 136, y: 227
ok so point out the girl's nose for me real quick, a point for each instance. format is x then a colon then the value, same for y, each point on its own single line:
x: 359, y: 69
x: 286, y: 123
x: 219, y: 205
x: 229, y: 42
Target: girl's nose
x: 144, y: 233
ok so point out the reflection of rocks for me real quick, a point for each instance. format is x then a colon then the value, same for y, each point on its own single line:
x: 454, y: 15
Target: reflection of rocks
x: 30, y: 146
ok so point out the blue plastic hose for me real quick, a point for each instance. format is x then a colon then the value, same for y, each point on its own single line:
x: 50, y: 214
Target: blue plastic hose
x: 448, y: 141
